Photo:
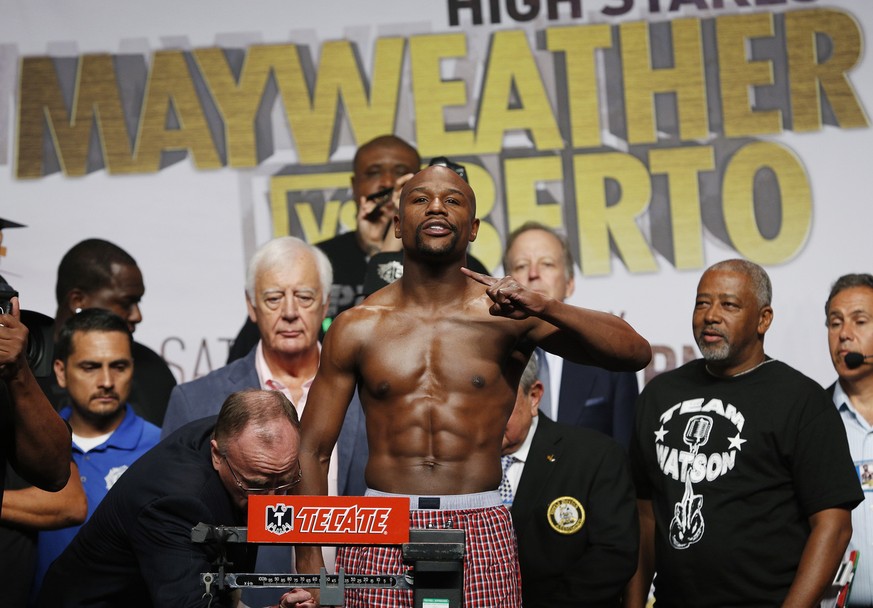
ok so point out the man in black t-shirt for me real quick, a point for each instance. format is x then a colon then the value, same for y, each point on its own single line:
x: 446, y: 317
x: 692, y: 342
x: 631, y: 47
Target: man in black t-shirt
x: 744, y: 480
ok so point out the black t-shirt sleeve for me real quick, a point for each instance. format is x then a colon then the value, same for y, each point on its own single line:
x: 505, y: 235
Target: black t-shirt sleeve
x: 823, y: 471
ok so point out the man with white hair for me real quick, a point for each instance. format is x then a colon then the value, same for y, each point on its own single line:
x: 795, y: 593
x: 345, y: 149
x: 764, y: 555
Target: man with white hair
x: 286, y: 298
x: 287, y: 295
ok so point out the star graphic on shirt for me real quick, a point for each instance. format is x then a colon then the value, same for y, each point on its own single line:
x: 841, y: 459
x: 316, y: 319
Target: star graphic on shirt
x: 659, y: 434
x: 736, y: 442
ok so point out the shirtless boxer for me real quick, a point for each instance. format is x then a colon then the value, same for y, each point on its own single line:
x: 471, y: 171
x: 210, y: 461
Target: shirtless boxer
x: 437, y: 357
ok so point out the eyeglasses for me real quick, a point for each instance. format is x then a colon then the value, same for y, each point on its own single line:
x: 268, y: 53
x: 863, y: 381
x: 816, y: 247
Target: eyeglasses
x: 280, y: 489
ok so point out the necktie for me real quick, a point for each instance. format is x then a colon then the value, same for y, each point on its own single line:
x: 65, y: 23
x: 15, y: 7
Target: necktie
x: 543, y: 376
x: 505, y: 488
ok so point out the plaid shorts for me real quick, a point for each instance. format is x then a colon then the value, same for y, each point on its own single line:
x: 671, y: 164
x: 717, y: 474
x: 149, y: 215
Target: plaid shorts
x: 491, y: 575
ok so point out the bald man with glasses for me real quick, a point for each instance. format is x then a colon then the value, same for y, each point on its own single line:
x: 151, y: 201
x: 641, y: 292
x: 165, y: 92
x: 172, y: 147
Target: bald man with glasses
x: 136, y: 550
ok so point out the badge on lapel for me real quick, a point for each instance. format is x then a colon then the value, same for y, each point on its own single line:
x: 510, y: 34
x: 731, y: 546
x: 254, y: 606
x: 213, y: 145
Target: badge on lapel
x: 566, y: 515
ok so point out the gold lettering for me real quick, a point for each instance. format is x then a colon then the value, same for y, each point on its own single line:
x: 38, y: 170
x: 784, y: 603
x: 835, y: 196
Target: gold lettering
x: 511, y: 63
x: 170, y: 90
x: 281, y: 185
x: 313, y: 122
x: 578, y: 45
x: 313, y: 232
x: 738, y: 199
x: 339, y: 78
x: 238, y: 103
x: 642, y: 82
x: 369, y: 120
x: 312, y: 132
x: 432, y: 94
x: 738, y: 75
x: 810, y: 79
x: 598, y: 220
x: 522, y: 176
x: 683, y: 167
x: 96, y: 104
x: 487, y: 247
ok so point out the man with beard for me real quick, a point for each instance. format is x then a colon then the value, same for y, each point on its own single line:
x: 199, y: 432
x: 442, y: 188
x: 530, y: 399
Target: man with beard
x: 442, y: 374
x: 744, y: 480
x: 94, y: 364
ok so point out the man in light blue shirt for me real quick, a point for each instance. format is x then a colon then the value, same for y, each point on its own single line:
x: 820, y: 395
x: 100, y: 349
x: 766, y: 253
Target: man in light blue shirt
x: 849, y: 311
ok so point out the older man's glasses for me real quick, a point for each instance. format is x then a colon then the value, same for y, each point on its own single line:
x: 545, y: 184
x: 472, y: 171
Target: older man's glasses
x: 258, y: 490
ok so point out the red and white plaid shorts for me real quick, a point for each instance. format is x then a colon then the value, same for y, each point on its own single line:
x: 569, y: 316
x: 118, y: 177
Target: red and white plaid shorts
x: 491, y: 575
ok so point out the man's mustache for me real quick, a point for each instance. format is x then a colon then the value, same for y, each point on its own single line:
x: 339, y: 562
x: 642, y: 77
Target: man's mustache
x: 105, y: 394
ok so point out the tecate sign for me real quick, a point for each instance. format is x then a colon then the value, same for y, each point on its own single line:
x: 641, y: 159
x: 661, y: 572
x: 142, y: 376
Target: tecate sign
x: 328, y: 520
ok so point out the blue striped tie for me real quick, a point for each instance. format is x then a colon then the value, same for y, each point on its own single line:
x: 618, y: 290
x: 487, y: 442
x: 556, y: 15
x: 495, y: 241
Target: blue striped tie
x: 505, y: 488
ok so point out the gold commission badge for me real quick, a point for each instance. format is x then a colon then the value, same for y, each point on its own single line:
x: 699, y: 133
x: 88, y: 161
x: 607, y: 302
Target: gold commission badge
x: 566, y: 515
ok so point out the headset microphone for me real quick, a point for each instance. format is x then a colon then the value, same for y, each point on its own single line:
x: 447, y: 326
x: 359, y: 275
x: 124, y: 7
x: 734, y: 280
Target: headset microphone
x: 855, y: 360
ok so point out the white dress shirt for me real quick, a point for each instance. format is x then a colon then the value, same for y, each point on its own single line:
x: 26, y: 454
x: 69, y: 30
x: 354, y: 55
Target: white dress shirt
x: 516, y: 468
x: 268, y: 382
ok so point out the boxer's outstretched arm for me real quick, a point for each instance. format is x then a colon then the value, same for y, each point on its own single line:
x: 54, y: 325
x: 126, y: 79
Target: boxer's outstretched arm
x: 582, y: 335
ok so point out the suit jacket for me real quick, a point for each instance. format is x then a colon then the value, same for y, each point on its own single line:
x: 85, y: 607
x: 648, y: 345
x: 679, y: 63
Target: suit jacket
x: 591, y: 566
x: 203, y: 397
x: 136, y: 550
x: 598, y: 399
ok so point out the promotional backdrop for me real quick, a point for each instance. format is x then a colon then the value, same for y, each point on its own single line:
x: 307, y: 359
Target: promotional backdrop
x: 660, y: 135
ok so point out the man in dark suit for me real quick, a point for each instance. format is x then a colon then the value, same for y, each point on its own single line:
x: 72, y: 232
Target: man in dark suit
x: 287, y: 294
x: 136, y: 549
x: 578, y: 395
x: 287, y: 354
x: 572, y: 504
x: 196, y: 399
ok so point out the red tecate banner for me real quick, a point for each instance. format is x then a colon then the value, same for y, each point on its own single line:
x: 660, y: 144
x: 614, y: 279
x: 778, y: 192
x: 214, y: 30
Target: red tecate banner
x: 328, y: 520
